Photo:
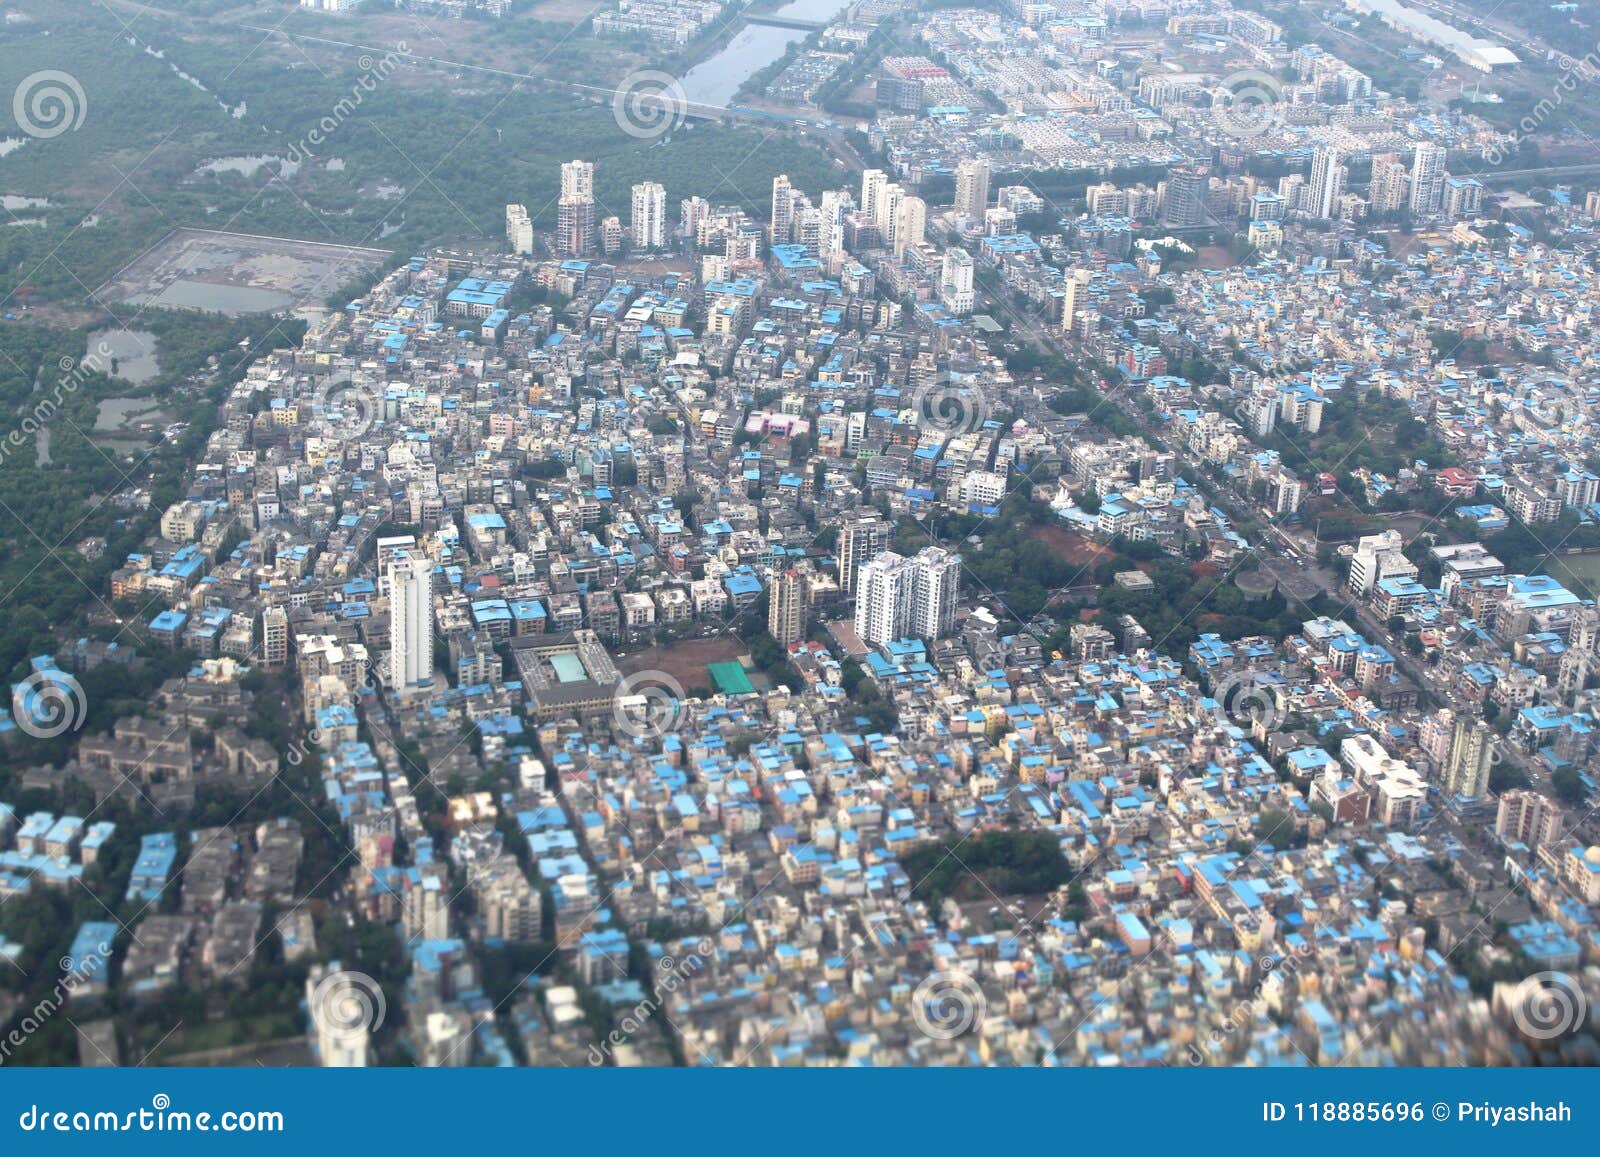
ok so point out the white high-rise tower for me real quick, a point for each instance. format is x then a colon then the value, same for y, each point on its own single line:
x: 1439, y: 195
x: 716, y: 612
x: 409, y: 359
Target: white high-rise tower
x: 911, y: 223
x: 898, y: 597
x: 1328, y: 176
x: 1427, y: 179
x: 782, y: 209
x: 972, y: 189
x: 649, y: 220
x: 873, y: 184
x: 410, y: 619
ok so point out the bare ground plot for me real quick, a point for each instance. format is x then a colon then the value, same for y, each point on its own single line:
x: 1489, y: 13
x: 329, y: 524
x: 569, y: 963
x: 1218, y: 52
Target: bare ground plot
x: 655, y: 266
x: 561, y: 11
x: 238, y: 273
x: 685, y: 661
x: 1071, y: 548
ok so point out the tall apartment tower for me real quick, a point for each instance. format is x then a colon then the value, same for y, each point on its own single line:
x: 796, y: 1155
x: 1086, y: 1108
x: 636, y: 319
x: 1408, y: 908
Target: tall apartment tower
x: 972, y: 189
x: 1427, y: 179
x: 898, y: 597
x: 1528, y: 818
x: 782, y: 209
x: 860, y: 541
x: 692, y: 211
x: 911, y: 224
x: 786, y: 608
x: 1183, y: 199
x: 575, y: 211
x: 873, y: 184
x: 834, y: 205
x: 274, y: 637
x: 648, y: 225
x: 956, y: 283
x: 1466, y: 769
x: 1391, y: 186
x: 410, y: 619
x: 425, y: 914
x: 1580, y: 656
x: 888, y: 211
x: 1074, y: 294
x: 519, y: 230
x: 1328, y: 178
x: 936, y: 585
x: 577, y: 180
x: 806, y: 230
x: 883, y: 594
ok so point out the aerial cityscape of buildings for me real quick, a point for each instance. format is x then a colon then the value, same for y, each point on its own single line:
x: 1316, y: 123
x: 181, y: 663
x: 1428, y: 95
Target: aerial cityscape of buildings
x: 1153, y: 614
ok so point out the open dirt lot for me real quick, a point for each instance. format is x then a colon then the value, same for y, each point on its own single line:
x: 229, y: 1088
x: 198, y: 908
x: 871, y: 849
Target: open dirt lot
x: 1069, y: 547
x: 237, y: 273
x: 686, y: 661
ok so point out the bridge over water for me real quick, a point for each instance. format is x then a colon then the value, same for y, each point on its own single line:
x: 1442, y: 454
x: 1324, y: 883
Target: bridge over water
x: 774, y: 21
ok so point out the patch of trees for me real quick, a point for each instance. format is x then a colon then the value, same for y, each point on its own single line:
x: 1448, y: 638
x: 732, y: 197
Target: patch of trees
x: 871, y: 703
x: 1002, y: 863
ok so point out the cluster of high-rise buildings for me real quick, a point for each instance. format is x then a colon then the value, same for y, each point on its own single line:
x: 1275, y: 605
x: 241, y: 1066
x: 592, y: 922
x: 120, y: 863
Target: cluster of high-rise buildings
x: 898, y: 597
x: 579, y: 229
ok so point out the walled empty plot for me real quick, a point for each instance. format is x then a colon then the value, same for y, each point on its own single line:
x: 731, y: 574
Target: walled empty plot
x: 238, y: 273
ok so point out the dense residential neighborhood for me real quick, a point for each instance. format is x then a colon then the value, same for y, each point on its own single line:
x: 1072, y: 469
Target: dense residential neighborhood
x: 959, y: 617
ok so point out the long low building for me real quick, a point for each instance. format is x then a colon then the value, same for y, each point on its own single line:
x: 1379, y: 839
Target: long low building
x: 565, y: 674
x: 1473, y: 51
